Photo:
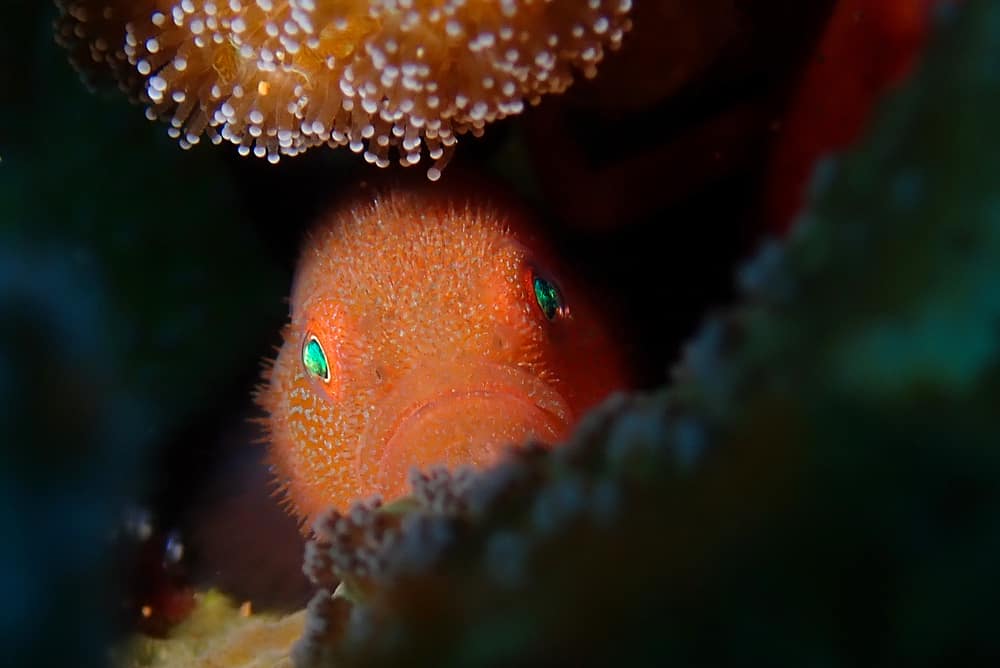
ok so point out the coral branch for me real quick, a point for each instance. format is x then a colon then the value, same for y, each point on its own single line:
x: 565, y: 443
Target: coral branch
x: 279, y: 77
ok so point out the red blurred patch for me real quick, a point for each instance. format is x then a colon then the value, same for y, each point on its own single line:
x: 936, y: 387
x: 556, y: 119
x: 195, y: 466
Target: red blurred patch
x: 868, y: 47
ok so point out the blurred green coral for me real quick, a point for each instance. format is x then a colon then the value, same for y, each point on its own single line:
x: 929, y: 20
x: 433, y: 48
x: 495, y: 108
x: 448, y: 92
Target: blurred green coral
x: 128, y: 289
x: 819, y: 486
x: 161, y: 228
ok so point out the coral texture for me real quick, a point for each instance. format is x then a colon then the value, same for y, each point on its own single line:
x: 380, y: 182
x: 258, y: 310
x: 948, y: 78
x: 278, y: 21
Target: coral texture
x: 277, y: 77
x: 218, y: 633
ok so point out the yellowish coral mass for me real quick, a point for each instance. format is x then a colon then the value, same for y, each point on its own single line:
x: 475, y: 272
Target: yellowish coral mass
x: 276, y: 77
x: 217, y: 634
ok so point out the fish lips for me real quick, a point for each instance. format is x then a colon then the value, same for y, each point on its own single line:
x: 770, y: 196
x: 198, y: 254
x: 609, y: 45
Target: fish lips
x: 455, y: 415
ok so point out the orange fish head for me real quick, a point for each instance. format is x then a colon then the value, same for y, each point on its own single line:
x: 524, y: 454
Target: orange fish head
x: 424, y: 332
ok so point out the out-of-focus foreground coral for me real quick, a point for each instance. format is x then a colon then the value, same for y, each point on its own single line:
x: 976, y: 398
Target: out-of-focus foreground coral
x: 276, y: 78
x: 819, y: 485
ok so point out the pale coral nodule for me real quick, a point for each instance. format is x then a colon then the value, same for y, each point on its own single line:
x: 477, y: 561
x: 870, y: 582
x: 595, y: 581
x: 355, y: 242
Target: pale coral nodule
x: 277, y: 77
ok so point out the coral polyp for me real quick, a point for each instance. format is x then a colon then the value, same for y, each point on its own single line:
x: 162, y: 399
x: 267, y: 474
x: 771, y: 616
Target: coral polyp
x: 277, y: 77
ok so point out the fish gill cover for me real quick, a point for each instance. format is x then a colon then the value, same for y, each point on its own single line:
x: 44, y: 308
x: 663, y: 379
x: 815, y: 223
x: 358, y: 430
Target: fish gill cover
x: 817, y: 486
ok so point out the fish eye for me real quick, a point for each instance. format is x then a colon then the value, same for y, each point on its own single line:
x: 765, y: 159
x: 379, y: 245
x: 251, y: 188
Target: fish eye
x: 549, y: 298
x: 314, y: 359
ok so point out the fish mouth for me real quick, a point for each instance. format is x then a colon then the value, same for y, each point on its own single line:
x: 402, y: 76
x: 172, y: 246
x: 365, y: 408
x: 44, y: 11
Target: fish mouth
x: 459, y: 415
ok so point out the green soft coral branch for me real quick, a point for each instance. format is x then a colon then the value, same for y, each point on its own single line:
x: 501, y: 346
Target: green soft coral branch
x: 818, y: 486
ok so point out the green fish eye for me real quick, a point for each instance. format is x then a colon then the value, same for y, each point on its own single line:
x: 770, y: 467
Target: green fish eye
x: 548, y: 297
x: 314, y: 359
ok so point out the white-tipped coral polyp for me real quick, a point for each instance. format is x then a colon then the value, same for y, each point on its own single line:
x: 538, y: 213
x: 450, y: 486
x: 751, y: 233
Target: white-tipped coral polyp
x: 277, y: 77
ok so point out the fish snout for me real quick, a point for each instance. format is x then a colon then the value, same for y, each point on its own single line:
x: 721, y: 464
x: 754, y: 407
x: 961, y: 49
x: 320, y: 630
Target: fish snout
x: 458, y: 414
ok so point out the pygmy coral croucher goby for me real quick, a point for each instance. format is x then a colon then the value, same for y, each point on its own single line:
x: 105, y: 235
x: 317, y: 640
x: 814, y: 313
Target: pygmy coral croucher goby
x: 425, y: 330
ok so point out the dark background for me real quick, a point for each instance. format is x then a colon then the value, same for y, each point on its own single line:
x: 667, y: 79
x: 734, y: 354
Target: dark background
x: 141, y: 286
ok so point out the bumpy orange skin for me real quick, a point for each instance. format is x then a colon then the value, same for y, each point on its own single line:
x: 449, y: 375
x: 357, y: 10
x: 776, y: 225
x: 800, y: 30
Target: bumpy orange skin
x: 437, y: 348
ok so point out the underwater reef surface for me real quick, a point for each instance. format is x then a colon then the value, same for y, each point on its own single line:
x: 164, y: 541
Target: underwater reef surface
x: 278, y: 79
x: 817, y: 486
x: 217, y: 633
